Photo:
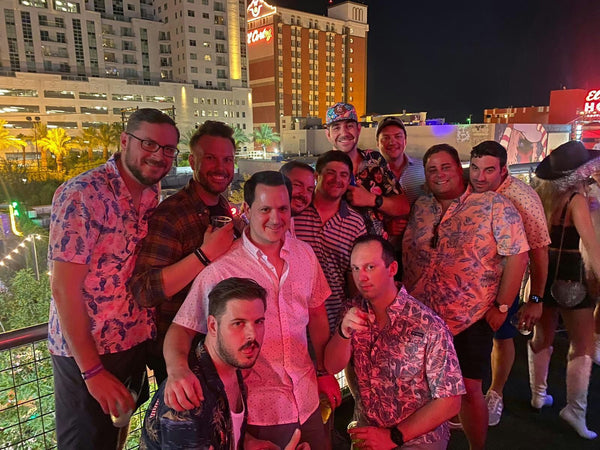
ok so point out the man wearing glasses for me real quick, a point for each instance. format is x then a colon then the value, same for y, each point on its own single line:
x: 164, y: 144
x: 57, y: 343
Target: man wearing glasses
x: 464, y: 256
x: 181, y: 241
x: 97, y: 333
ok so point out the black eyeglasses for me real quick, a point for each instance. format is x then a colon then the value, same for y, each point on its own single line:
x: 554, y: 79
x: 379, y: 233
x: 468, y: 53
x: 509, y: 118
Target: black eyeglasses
x: 152, y: 147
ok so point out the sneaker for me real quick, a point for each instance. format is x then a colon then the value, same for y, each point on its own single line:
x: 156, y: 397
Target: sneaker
x: 495, y: 405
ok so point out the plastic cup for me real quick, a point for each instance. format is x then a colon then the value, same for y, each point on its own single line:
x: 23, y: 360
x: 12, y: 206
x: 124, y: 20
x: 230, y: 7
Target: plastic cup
x: 520, y: 326
x: 124, y: 416
x: 219, y: 221
x: 351, y: 425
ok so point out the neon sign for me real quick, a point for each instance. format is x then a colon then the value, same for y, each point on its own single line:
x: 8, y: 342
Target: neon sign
x: 592, y: 103
x: 259, y: 8
x: 260, y: 34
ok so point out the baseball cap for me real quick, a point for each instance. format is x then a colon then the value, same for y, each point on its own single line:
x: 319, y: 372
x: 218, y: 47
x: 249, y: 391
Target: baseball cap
x: 341, y: 111
x: 387, y: 121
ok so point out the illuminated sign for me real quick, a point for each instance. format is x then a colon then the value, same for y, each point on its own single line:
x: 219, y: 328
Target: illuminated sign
x: 259, y: 8
x: 592, y: 103
x: 260, y: 34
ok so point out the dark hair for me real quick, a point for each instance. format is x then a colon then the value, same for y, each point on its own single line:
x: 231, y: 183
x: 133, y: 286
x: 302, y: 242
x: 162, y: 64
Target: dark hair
x: 388, y: 254
x: 234, y: 289
x: 268, y: 178
x: 212, y: 128
x: 442, y: 148
x: 149, y: 115
x: 291, y: 165
x: 330, y: 156
x: 490, y: 148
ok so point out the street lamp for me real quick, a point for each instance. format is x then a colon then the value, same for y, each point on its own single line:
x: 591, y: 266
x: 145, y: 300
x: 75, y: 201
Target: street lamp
x: 35, y: 119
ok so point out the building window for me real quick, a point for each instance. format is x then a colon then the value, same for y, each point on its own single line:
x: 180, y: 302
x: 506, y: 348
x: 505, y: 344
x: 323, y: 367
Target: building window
x: 207, y: 70
x: 193, y: 56
x: 192, y: 42
x: 207, y: 58
x: 206, y: 30
x: 205, y: 16
x: 192, y: 29
x: 191, y: 13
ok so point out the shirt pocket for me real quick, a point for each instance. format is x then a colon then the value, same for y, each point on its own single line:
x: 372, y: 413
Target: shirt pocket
x: 407, y: 361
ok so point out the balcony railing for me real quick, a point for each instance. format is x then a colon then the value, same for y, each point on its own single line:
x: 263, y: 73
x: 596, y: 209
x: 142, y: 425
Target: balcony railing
x: 27, y: 393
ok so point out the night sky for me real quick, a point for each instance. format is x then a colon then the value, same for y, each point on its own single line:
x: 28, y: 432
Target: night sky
x: 453, y: 59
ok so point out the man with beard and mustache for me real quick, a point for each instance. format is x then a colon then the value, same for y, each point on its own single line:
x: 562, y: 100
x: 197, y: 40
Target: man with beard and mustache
x: 302, y: 177
x: 180, y: 238
x: 97, y: 333
x: 283, y: 386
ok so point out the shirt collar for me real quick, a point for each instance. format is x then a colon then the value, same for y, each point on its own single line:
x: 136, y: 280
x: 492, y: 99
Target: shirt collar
x: 256, y: 252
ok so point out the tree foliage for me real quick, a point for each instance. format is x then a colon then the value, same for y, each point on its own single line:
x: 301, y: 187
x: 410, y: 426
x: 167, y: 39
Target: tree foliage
x: 265, y: 136
x: 57, y: 142
x: 8, y: 141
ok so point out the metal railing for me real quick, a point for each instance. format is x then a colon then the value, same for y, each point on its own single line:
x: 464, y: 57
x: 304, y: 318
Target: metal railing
x: 27, y: 393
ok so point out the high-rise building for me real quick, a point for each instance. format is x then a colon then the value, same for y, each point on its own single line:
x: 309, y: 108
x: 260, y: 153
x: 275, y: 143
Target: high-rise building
x: 80, y: 63
x: 302, y: 63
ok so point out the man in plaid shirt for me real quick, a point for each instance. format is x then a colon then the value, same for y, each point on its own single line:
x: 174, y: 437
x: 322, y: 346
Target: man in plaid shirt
x: 180, y: 238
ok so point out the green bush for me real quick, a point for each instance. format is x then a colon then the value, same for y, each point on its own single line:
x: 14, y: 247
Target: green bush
x: 26, y: 301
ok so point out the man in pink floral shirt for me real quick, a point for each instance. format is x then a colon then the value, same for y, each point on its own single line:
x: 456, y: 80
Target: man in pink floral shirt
x: 96, y: 331
x: 409, y: 379
x: 464, y: 256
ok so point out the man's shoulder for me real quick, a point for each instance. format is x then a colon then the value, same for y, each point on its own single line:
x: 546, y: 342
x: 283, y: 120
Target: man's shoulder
x: 84, y: 180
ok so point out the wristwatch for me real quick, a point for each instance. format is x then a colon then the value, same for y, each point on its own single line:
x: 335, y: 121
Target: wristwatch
x: 501, y: 307
x: 535, y: 299
x: 396, y: 436
x: 378, y: 201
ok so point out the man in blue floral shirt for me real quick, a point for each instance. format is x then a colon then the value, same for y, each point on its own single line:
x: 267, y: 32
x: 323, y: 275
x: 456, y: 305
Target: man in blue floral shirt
x: 409, y: 379
x: 235, y: 334
x: 372, y: 189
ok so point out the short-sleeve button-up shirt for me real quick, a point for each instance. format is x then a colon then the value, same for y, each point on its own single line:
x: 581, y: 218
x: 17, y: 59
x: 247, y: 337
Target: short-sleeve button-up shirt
x: 459, y: 277
x: 403, y: 366
x: 282, y: 385
x: 94, y: 222
x: 529, y: 205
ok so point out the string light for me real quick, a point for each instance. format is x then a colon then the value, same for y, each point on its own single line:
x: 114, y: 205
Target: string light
x: 17, y: 249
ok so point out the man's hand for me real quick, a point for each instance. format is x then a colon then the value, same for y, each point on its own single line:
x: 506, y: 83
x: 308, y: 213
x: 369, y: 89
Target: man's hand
x: 395, y: 226
x: 110, y: 393
x: 356, y: 320
x: 217, y: 240
x: 372, y: 438
x: 529, y: 314
x: 359, y: 196
x: 183, y: 390
x: 329, y: 386
x: 495, y: 318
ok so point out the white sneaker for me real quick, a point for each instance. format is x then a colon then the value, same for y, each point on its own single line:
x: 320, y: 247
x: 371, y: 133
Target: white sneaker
x: 495, y: 405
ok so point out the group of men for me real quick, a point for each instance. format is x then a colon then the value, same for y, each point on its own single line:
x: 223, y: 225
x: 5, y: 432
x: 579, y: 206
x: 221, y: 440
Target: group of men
x: 303, y: 291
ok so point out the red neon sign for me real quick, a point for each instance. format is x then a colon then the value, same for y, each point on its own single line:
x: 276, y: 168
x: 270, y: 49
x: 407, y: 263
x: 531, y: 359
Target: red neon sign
x: 260, y: 34
x: 592, y: 103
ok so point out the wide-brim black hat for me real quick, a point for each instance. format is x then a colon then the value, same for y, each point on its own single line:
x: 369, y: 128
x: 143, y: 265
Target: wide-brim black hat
x: 566, y: 159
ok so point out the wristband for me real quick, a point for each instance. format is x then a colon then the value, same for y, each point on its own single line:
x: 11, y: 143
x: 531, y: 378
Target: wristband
x: 341, y: 333
x: 535, y: 299
x: 201, y: 256
x: 92, y: 372
x: 396, y: 436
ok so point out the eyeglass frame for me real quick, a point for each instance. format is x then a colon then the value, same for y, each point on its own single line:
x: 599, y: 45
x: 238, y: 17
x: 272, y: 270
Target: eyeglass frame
x: 144, y: 143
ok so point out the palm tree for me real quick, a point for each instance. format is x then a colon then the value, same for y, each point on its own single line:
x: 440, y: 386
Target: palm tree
x: 186, y: 137
x: 88, y: 141
x: 8, y: 141
x: 240, y: 137
x: 58, y: 142
x: 40, y: 131
x: 108, y: 136
x: 265, y: 136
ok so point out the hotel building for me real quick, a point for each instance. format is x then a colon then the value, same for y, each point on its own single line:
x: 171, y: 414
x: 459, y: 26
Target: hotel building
x: 80, y: 63
x: 302, y: 63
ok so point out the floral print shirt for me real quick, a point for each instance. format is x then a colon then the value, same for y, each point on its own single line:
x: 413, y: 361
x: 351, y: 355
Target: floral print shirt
x: 375, y: 176
x: 94, y: 222
x: 208, y: 426
x: 405, y: 365
x: 453, y: 263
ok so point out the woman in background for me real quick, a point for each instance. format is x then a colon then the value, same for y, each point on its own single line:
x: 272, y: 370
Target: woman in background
x: 562, y: 179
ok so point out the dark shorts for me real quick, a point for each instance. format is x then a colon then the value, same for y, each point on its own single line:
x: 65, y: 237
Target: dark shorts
x: 312, y: 430
x: 80, y: 421
x: 507, y: 330
x: 473, y: 347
